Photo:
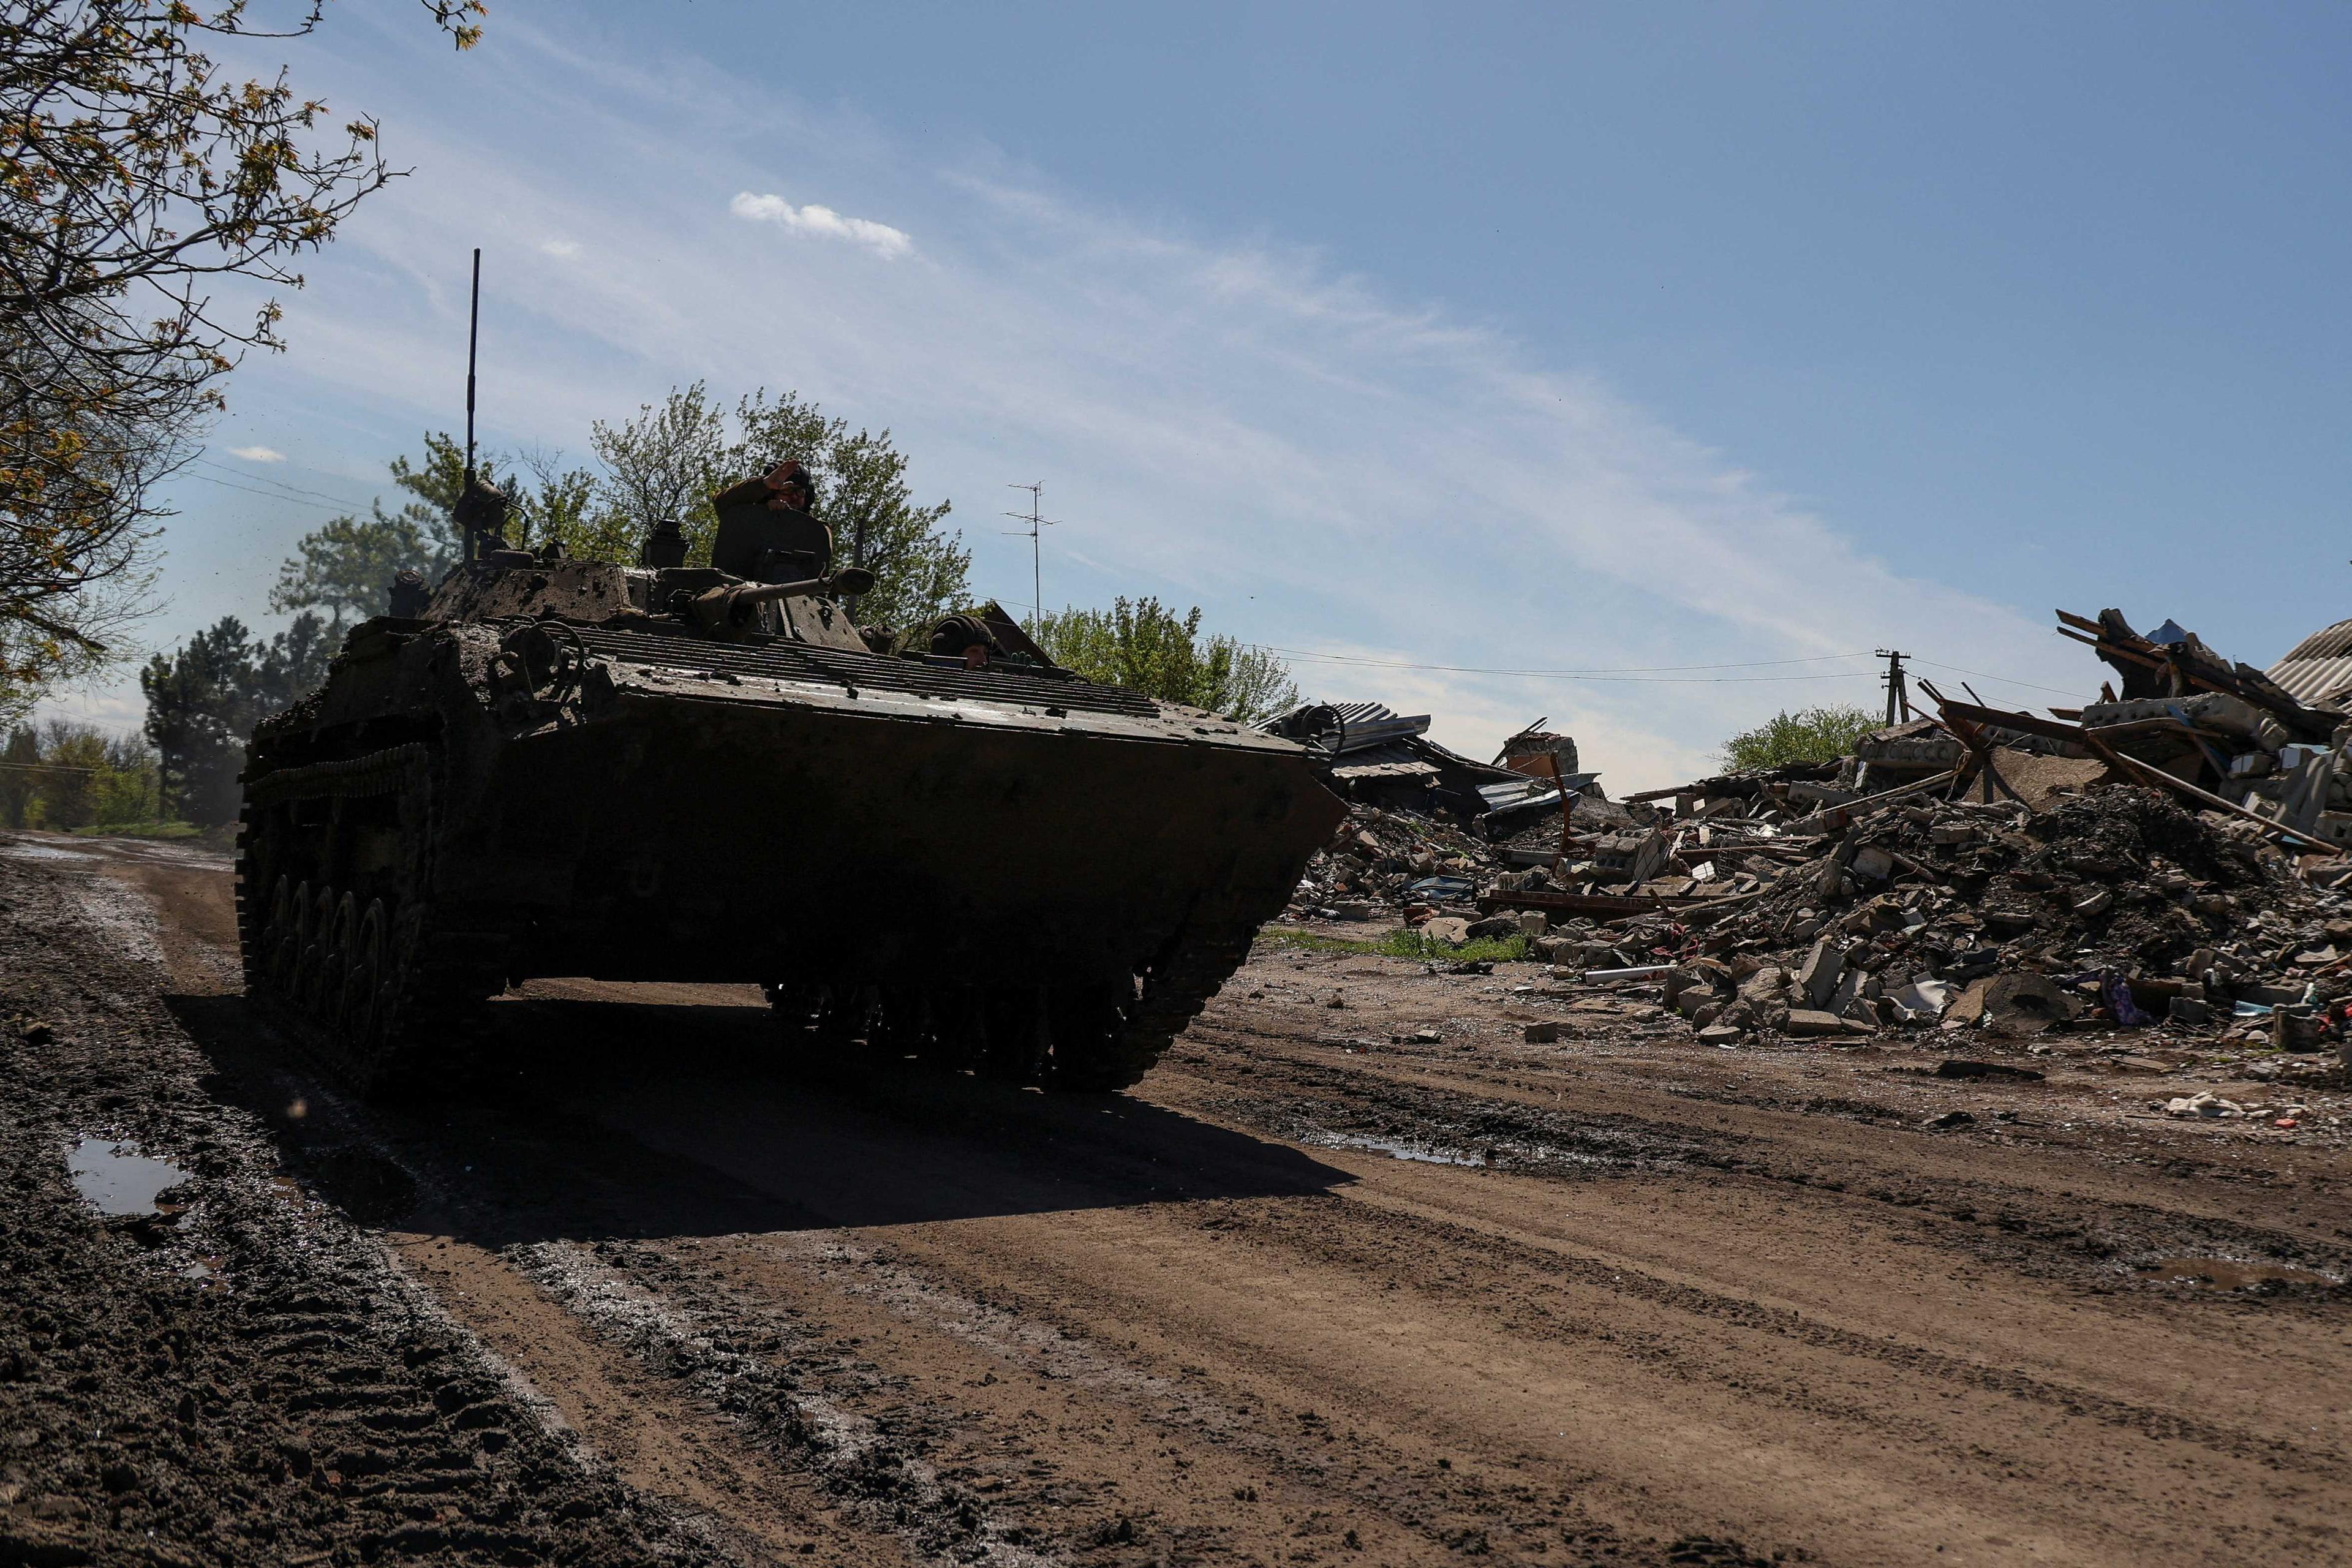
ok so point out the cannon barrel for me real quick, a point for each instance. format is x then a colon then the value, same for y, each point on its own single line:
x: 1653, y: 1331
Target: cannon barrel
x: 722, y: 607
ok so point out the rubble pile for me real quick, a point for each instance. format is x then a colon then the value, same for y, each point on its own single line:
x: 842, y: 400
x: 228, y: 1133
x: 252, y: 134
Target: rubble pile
x: 2118, y: 906
x: 2168, y: 858
x: 1385, y: 862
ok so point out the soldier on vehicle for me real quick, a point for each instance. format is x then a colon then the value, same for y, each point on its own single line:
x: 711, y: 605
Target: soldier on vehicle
x: 765, y: 531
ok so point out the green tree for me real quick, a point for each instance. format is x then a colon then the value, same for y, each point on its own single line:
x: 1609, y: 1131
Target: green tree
x: 130, y: 784
x: 1143, y: 644
x: 345, y: 566
x: 65, y: 775
x: 73, y: 756
x: 135, y: 174
x: 19, y: 775
x: 664, y: 462
x: 569, y: 505
x: 204, y: 698
x: 1808, y: 735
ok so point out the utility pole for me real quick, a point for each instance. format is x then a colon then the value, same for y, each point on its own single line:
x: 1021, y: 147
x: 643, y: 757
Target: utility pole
x: 1035, y: 523
x: 1898, y: 695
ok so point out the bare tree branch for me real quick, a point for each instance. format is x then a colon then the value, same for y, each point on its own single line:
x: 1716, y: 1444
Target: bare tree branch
x: 133, y: 171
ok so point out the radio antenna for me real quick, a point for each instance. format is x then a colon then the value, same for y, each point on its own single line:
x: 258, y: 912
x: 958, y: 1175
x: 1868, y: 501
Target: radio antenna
x: 473, y: 343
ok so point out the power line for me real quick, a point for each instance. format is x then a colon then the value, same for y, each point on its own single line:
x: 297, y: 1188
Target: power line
x: 1571, y: 671
x: 276, y: 484
x: 2004, y: 679
x: 118, y: 726
x: 249, y: 489
x: 1663, y: 674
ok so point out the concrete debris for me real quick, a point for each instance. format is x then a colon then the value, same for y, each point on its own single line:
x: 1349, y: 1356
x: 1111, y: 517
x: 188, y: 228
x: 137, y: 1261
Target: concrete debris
x: 2161, y: 860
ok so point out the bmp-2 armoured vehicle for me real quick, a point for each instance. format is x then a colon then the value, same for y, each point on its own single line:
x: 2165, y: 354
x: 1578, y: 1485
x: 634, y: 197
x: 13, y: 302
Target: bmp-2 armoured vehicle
x: 565, y: 767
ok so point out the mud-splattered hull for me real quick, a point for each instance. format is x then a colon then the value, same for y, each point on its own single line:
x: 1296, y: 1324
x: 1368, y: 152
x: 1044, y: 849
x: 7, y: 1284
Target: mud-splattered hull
x: 683, y: 836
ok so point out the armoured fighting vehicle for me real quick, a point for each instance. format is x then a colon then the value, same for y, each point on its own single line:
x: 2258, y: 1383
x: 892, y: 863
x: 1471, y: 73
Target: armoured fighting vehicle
x: 954, y: 851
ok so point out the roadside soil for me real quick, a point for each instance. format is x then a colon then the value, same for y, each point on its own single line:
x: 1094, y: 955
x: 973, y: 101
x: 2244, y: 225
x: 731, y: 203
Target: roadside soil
x: 1384, y: 1282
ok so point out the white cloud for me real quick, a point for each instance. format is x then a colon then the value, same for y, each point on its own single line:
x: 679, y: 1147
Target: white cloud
x: 565, y: 248
x: 878, y: 237
x: 1316, y: 463
x: 257, y: 454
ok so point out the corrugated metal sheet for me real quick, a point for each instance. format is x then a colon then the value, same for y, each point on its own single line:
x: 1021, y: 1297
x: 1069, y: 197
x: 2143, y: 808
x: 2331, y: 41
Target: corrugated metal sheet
x: 2319, y: 668
x: 1384, y: 771
x: 1497, y: 795
x: 1343, y: 727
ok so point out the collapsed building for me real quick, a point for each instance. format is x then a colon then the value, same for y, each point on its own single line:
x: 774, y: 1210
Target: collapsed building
x: 2168, y: 854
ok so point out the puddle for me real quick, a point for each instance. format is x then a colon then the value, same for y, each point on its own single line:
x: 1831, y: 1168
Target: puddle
x: 1420, y: 1153
x: 2226, y: 1273
x: 117, y: 1182
x: 205, y: 1271
x: 42, y: 852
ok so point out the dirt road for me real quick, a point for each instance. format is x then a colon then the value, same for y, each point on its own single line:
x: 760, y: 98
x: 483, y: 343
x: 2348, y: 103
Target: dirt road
x: 1379, y: 1282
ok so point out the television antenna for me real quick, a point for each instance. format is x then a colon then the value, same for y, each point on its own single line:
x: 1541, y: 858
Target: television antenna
x: 1036, y: 523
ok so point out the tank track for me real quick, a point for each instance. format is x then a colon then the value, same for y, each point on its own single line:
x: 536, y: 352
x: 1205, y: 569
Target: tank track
x: 1087, y: 1039
x: 1171, y: 997
x: 428, y: 981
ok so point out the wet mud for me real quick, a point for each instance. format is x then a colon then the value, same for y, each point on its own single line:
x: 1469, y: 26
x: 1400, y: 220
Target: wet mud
x: 1384, y: 1283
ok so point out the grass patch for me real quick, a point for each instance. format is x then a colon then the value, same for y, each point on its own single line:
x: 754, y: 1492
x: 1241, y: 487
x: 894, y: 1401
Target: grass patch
x: 1409, y: 943
x: 139, y: 830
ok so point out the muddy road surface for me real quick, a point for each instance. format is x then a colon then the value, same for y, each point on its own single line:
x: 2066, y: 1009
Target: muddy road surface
x: 1359, y: 1275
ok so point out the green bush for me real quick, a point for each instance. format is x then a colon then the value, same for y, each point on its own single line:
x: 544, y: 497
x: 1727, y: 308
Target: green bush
x: 1808, y: 735
x: 1143, y: 644
x: 68, y: 778
x: 1407, y: 943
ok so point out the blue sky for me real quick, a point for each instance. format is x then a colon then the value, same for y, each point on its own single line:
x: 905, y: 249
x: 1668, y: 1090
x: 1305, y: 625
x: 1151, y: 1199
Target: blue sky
x: 1449, y: 340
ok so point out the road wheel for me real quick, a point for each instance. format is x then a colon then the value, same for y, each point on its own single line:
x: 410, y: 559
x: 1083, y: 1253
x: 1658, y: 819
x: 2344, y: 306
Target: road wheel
x: 359, y: 1013
x: 326, y: 999
x: 796, y: 1006
x: 309, y: 971
x: 288, y: 969
x: 1089, y: 1029
x: 958, y: 1029
x: 1015, y: 1046
x: 902, y: 1025
x: 275, y: 932
x: 845, y: 1013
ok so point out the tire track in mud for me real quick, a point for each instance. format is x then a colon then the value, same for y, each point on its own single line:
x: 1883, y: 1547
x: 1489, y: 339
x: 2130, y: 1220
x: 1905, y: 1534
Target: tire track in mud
x: 897, y: 1320
x: 1502, y: 1281
x: 1508, y: 1271
x: 1500, y: 1121
x: 725, y: 1348
x: 1373, y: 1480
x: 241, y: 1375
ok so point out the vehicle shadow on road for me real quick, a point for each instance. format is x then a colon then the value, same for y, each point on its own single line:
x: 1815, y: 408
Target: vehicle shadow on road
x: 589, y: 1120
